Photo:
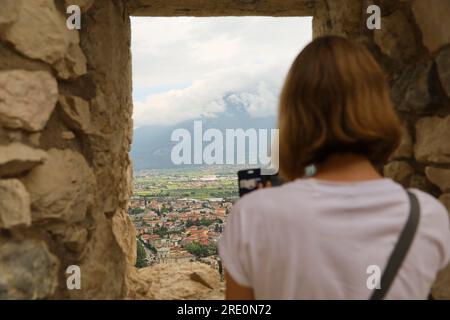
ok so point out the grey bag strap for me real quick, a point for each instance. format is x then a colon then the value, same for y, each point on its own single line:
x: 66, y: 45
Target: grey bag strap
x: 401, y: 249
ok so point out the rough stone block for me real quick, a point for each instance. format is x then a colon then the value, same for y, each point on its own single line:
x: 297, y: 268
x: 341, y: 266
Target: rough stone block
x: 411, y: 91
x: 27, y: 98
x: 177, y: 281
x: 17, y: 158
x: 61, y: 188
x: 405, y: 149
x: 84, y: 5
x: 439, y: 177
x: 27, y: 270
x: 419, y: 181
x: 73, y: 64
x: 40, y: 32
x: 14, y: 204
x: 418, y: 96
x: 432, y: 140
x: 74, y: 237
x: 67, y: 135
x: 443, y: 67
x: 396, y: 37
x: 399, y: 171
x: 76, y: 113
x: 9, y: 12
x: 432, y: 19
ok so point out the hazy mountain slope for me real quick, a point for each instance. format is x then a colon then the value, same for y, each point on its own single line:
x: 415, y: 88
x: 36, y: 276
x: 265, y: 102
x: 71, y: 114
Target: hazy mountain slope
x: 152, y: 146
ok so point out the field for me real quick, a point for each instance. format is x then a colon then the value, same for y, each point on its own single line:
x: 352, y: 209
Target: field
x: 197, y: 183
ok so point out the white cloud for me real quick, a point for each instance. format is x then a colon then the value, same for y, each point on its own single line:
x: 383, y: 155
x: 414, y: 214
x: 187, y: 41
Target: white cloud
x: 260, y: 103
x: 222, y: 48
x: 245, y: 56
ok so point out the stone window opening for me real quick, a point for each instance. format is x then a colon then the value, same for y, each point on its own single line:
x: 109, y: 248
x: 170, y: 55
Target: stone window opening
x: 66, y: 129
x: 222, y: 67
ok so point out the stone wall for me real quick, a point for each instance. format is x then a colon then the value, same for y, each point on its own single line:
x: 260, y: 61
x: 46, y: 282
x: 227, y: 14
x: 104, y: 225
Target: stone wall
x: 65, y: 127
x: 65, y: 132
x: 207, y: 8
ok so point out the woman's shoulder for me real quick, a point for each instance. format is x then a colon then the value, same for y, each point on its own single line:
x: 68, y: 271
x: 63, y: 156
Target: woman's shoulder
x: 428, y: 200
x: 269, y: 198
x: 431, y: 208
x: 434, y: 223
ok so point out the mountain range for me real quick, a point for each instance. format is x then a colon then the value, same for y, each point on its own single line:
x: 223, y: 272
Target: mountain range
x: 152, y: 145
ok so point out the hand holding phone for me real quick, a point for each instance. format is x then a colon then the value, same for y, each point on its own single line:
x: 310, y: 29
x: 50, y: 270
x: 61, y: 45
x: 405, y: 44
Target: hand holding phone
x: 248, y: 180
x: 251, y: 179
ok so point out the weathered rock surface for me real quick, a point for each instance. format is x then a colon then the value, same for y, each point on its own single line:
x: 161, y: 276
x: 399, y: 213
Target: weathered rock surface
x: 27, y: 270
x: 443, y: 67
x: 14, y: 204
x: 73, y: 64
x: 399, y: 171
x: 396, y: 38
x: 412, y: 89
x: 104, y: 265
x: 137, y: 288
x: 405, y: 149
x: 73, y: 237
x: 76, y: 113
x: 17, y: 158
x: 84, y: 5
x: 39, y: 22
x: 432, y: 19
x: 420, y: 181
x: 195, y: 276
x: 439, y: 177
x: 61, y: 188
x: 9, y: 12
x: 224, y: 7
x: 125, y: 235
x: 67, y: 135
x: 27, y: 98
x: 338, y: 18
x: 432, y: 140
x: 441, y: 287
x: 190, y: 280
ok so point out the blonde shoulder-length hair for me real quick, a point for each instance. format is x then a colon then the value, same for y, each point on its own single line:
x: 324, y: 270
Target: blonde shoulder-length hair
x: 335, y: 99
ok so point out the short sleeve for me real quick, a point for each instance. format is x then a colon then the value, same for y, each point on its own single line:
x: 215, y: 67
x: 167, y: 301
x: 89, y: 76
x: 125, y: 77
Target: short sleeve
x: 442, y: 231
x: 446, y: 240
x: 437, y: 226
x: 232, y: 248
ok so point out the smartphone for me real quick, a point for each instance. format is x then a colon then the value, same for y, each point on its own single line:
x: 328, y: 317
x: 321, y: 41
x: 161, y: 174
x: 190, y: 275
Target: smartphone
x: 249, y: 179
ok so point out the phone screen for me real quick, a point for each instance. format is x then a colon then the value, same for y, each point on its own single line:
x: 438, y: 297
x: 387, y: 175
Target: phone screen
x: 248, y: 180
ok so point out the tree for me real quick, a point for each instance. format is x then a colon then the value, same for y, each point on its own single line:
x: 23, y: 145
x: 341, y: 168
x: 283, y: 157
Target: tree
x: 212, y: 249
x: 189, y: 223
x: 205, y: 222
x: 141, y: 255
x: 197, y: 249
x: 136, y: 210
x: 200, y: 250
x: 150, y: 247
x: 160, y: 231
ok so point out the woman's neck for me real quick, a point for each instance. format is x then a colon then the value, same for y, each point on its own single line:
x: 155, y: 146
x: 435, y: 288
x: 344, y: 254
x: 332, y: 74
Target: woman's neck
x: 346, y: 168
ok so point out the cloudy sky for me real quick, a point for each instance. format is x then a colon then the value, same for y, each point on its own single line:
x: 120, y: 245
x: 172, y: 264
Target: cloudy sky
x: 183, y: 67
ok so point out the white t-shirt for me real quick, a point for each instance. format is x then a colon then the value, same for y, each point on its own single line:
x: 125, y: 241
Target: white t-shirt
x: 311, y: 239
